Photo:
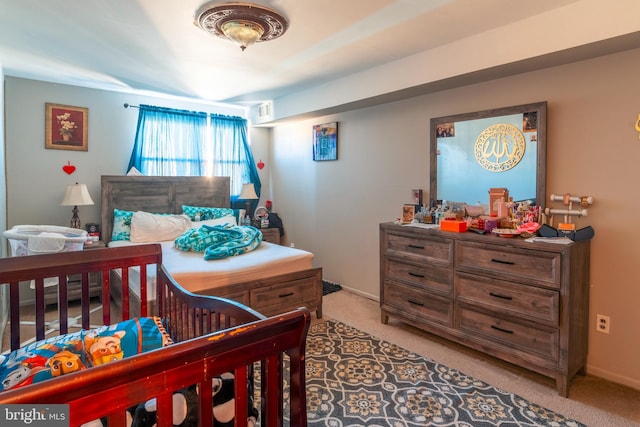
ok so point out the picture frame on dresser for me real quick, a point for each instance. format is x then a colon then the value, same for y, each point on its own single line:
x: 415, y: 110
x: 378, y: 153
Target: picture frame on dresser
x: 408, y: 214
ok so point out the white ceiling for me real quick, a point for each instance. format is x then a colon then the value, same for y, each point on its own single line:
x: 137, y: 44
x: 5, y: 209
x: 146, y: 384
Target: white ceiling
x: 153, y: 45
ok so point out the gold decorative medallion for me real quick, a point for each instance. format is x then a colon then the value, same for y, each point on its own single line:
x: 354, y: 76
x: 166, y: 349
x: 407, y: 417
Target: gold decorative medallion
x: 500, y: 147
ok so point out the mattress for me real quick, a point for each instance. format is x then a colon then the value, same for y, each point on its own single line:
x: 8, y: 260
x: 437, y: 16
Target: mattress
x: 195, y: 274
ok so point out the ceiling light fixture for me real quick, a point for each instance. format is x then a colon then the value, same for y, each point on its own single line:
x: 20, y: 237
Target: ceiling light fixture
x: 242, y: 23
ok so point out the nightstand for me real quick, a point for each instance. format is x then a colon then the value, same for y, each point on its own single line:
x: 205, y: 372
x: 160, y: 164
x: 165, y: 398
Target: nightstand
x: 74, y: 288
x: 94, y: 245
x: 271, y: 235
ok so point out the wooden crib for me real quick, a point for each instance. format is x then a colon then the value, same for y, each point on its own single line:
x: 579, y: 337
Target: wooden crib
x: 213, y: 336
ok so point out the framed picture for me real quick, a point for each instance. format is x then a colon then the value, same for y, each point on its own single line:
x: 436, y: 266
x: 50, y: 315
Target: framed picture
x: 408, y: 214
x: 66, y: 127
x: 325, y: 141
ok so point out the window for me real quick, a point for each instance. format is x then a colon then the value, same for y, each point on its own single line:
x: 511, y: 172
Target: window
x: 173, y: 142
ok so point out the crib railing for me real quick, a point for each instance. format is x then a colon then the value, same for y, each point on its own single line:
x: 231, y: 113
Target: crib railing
x: 213, y: 335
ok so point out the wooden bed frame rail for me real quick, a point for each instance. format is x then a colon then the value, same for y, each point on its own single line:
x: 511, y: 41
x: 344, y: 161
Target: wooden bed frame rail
x: 213, y: 335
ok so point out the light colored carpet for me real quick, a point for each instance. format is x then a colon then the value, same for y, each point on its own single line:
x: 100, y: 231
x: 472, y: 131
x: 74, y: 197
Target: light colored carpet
x: 592, y: 401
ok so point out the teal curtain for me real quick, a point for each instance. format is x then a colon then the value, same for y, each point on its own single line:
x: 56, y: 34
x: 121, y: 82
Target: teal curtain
x: 233, y: 157
x: 169, y: 142
x: 173, y: 142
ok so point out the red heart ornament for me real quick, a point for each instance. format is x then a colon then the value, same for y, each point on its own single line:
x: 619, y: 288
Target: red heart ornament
x: 69, y: 169
x: 260, y: 164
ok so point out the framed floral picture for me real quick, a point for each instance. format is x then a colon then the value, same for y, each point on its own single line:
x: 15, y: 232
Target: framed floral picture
x: 325, y: 141
x: 66, y: 127
x: 408, y: 214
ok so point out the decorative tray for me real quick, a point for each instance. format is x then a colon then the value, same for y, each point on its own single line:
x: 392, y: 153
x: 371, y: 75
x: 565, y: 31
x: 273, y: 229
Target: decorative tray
x: 506, y: 232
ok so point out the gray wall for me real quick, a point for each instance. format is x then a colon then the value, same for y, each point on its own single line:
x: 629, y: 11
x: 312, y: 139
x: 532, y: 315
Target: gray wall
x: 36, y: 181
x: 334, y: 208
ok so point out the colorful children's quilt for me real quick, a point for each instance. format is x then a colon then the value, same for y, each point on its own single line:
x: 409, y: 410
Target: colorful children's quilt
x: 64, y: 354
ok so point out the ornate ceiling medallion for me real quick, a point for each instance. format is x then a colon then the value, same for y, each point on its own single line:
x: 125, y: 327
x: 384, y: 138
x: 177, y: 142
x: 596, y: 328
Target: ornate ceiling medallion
x: 500, y: 147
x: 242, y: 23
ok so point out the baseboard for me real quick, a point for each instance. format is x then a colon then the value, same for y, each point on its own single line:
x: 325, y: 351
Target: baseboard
x: 610, y: 376
x: 360, y: 293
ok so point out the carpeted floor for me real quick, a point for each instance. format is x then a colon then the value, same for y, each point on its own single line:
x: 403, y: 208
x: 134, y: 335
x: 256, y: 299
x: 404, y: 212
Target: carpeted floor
x: 354, y: 379
x: 593, y: 401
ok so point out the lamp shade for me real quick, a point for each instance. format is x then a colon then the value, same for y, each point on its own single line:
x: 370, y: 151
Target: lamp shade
x: 248, y: 192
x: 77, y: 195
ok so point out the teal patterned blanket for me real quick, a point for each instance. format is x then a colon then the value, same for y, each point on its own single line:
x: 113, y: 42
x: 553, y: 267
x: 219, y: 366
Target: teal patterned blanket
x: 219, y: 241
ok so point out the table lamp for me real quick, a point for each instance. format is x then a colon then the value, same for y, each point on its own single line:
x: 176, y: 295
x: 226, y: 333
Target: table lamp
x: 248, y: 193
x: 76, y: 195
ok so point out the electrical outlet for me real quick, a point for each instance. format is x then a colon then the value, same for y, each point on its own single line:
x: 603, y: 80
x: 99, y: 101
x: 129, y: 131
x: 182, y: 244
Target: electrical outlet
x: 603, y: 323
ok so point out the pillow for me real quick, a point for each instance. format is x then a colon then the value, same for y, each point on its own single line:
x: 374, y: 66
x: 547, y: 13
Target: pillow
x: 134, y: 172
x: 148, y: 227
x: 228, y: 220
x: 121, y: 225
x: 197, y: 213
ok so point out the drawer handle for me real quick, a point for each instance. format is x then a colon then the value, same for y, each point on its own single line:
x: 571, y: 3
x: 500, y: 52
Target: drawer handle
x: 501, y: 296
x: 415, y: 303
x: 500, y: 261
x: 285, y: 295
x: 497, y: 328
x: 415, y: 247
x: 416, y: 275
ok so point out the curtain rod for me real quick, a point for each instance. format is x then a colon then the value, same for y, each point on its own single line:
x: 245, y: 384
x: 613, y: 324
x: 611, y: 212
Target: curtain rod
x: 126, y: 105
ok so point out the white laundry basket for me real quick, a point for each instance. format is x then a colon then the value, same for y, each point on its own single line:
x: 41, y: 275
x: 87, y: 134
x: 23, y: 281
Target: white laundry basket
x: 40, y: 239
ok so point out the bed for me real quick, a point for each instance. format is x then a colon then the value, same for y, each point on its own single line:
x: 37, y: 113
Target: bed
x: 272, y: 279
x: 213, y: 336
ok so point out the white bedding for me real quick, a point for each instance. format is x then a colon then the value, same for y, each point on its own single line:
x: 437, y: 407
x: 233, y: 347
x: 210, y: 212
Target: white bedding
x: 193, y: 273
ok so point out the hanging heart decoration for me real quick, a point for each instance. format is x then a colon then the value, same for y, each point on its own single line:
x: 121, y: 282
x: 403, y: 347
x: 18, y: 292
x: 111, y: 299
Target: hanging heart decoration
x: 69, y: 168
x: 260, y: 164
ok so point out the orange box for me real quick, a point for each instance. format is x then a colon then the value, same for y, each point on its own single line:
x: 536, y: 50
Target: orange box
x: 453, y: 225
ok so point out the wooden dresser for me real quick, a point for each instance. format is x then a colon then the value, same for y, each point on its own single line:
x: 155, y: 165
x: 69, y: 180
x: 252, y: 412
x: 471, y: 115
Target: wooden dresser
x: 525, y: 303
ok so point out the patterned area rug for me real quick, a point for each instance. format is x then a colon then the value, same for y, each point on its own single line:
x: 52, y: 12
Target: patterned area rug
x: 354, y: 379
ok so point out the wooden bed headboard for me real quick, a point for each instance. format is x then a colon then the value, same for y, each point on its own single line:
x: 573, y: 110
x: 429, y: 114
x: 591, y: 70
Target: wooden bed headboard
x: 159, y: 194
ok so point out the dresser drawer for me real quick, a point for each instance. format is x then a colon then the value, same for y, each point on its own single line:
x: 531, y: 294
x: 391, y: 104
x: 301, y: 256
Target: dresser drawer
x: 425, y: 276
x: 435, y: 250
x: 412, y: 300
x: 292, y: 294
x: 507, y: 262
x: 509, y: 334
x: 516, y: 299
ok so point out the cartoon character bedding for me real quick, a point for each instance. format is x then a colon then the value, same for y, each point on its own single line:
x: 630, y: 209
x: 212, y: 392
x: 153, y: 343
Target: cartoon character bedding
x: 64, y: 354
